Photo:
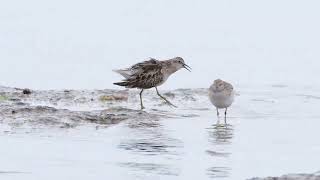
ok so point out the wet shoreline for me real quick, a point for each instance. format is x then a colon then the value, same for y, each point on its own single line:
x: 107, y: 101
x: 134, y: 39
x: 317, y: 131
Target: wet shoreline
x: 72, y: 108
x: 163, y: 133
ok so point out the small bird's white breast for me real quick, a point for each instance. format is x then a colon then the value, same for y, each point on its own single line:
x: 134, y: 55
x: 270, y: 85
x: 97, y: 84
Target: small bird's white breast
x: 221, y: 99
x: 221, y: 94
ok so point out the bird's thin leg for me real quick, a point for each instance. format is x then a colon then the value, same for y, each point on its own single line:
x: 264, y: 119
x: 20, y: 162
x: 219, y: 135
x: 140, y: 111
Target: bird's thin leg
x: 225, y: 116
x: 217, y: 112
x: 164, y: 98
x: 141, y: 103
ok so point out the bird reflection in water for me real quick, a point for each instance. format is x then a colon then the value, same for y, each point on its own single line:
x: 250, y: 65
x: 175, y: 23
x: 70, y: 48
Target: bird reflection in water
x: 150, y: 142
x: 220, y: 138
x: 148, y: 137
x: 222, y: 133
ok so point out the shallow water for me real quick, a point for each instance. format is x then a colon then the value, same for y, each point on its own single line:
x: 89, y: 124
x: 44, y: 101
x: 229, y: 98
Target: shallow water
x: 270, y: 131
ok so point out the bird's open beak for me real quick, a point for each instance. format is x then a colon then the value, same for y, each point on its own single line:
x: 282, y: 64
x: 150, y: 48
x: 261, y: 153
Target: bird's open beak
x: 187, y: 67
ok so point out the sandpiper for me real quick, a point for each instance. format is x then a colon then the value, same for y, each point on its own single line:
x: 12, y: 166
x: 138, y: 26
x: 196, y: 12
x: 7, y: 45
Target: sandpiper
x: 221, y: 95
x: 149, y: 74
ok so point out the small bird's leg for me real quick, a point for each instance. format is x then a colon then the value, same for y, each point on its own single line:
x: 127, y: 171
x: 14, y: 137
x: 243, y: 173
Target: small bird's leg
x: 217, y: 112
x: 164, y: 98
x: 225, y: 113
x: 141, y: 103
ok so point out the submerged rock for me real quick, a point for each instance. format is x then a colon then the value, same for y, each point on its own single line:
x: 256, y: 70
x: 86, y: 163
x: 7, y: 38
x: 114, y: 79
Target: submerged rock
x: 3, y: 98
x: 116, y: 97
x: 315, y: 176
x: 25, y: 108
x: 169, y: 94
x: 36, y: 116
x: 26, y: 91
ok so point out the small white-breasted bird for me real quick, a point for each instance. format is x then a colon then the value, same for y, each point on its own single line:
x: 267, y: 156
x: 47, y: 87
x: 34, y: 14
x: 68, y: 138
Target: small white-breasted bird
x: 221, y: 95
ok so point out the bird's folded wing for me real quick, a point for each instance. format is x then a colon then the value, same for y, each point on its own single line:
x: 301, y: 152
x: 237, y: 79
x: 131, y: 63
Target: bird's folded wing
x: 152, y: 66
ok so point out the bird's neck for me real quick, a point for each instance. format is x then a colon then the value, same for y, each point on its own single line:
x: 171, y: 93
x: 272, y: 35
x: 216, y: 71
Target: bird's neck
x: 168, y: 69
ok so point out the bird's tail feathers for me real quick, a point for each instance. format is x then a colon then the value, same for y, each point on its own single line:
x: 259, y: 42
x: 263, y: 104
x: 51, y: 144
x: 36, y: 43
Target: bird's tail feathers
x: 123, y: 72
x: 125, y: 84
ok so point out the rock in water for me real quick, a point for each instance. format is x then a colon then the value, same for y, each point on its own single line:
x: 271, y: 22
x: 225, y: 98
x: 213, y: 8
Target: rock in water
x: 315, y: 176
x: 26, y: 91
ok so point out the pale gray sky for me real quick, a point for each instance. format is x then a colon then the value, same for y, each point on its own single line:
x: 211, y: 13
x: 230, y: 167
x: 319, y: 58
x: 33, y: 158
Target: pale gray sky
x: 75, y: 44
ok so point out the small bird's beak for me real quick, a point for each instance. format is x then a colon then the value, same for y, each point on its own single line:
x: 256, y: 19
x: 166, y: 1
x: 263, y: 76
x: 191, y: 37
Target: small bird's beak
x: 187, y: 67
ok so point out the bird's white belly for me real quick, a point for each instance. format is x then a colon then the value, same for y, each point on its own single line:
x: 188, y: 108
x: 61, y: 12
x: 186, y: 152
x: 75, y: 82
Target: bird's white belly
x: 221, y: 100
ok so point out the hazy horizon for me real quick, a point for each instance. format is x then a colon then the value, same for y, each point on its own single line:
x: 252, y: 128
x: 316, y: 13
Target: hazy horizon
x: 76, y: 44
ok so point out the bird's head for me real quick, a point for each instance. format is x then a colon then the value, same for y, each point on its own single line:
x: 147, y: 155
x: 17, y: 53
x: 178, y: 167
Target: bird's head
x: 179, y: 63
x: 218, y: 85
